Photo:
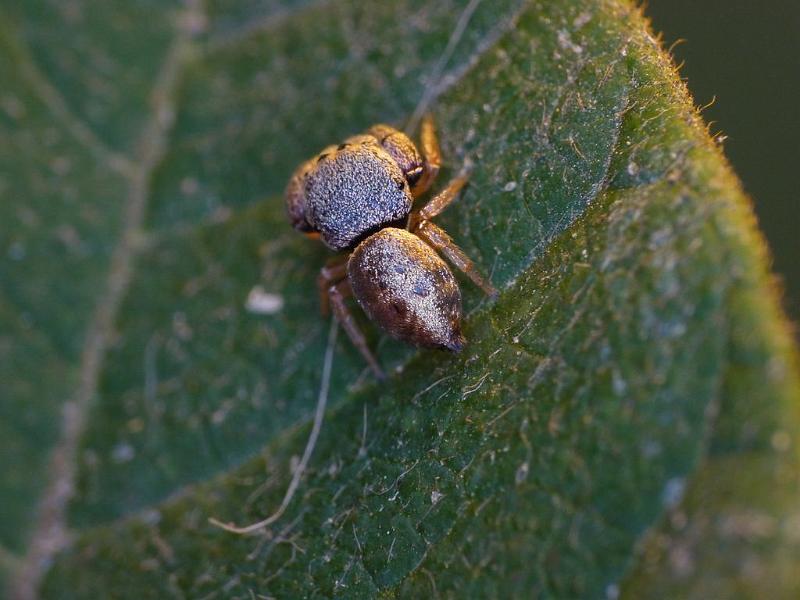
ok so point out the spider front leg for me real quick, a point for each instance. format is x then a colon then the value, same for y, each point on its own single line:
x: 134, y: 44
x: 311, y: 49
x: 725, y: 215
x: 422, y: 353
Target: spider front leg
x: 443, y: 199
x: 429, y: 145
x: 419, y: 223
x: 337, y: 294
x: 437, y: 238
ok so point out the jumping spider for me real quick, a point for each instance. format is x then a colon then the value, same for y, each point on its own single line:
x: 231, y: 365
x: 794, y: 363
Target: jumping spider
x: 357, y: 197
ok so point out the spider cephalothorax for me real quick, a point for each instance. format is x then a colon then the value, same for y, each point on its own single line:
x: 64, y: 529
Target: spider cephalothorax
x: 358, y: 197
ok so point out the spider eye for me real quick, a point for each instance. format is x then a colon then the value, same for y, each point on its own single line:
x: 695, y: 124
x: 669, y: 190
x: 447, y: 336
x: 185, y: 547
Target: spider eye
x: 414, y: 175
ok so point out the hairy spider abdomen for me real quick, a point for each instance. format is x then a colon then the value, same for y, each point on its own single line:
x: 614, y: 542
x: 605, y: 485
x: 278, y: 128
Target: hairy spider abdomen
x: 354, y: 190
x: 404, y: 287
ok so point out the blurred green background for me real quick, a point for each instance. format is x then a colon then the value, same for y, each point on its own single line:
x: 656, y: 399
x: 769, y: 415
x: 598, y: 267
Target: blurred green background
x: 746, y: 54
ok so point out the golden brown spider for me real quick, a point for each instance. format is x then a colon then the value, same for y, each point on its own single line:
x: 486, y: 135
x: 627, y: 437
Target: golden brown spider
x: 357, y: 197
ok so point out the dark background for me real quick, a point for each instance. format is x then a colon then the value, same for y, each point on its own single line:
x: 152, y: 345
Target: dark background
x: 746, y: 53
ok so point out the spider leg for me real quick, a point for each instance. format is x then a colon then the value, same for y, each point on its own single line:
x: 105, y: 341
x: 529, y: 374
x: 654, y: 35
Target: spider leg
x: 443, y: 199
x: 429, y: 145
x: 337, y: 295
x: 436, y: 237
x: 331, y: 273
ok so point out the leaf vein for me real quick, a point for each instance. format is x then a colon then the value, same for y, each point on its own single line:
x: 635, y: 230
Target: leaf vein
x: 51, y: 532
x: 265, y: 23
x: 59, y: 108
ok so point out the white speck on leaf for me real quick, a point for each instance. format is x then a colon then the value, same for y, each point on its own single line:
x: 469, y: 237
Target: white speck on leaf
x: 581, y: 20
x: 673, y: 492
x: 618, y: 383
x: 261, y: 302
x: 510, y: 186
x: 522, y: 473
x: 123, y: 452
x: 436, y: 495
x: 565, y: 41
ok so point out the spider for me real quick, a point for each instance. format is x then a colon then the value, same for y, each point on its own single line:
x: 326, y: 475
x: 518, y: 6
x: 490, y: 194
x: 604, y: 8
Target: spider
x: 357, y: 197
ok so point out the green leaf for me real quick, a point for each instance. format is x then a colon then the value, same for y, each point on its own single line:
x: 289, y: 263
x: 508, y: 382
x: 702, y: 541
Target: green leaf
x: 623, y: 421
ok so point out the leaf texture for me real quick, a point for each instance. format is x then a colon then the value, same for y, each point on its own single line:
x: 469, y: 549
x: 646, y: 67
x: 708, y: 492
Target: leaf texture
x: 623, y: 421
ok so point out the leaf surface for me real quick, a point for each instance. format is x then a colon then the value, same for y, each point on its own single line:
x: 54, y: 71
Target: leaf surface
x: 586, y: 443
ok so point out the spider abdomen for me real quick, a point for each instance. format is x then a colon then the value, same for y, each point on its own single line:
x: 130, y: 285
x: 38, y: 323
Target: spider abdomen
x: 404, y: 287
